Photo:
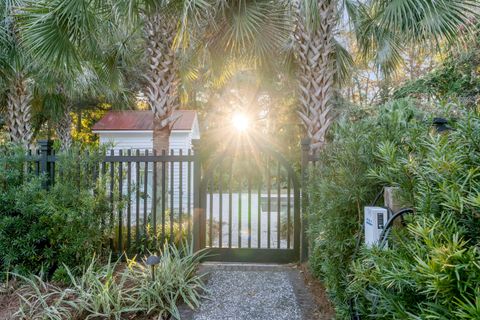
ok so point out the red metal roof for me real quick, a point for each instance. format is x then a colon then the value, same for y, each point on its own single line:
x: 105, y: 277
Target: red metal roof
x: 141, y: 120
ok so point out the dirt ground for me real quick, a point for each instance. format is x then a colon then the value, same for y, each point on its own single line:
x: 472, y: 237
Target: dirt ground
x: 9, y: 303
x: 325, y: 309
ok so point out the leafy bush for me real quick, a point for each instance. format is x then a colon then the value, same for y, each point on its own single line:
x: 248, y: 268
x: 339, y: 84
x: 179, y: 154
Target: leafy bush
x: 118, y: 291
x: 340, y: 187
x: 430, y: 269
x: 41, y: 230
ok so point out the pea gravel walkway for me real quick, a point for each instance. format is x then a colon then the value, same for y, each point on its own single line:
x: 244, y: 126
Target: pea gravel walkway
x: 253, y: 292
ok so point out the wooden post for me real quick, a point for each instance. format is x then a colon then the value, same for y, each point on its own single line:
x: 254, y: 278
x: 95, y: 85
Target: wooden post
x: 304, y: 199
x: 392, y: 200
x: 45, y: 162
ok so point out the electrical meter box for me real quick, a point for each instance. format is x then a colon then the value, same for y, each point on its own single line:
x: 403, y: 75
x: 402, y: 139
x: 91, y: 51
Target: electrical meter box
x: 375, y: 220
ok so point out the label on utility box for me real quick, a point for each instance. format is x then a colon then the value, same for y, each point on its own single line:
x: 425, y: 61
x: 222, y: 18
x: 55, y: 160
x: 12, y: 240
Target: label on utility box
x: 375, y: 219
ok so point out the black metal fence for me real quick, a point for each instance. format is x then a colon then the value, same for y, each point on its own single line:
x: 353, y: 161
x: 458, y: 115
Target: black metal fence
x: 157, y: 198
x: 151, y: 195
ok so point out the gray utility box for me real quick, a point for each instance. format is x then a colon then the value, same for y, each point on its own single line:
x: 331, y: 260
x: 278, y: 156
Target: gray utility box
x: 375, y: 220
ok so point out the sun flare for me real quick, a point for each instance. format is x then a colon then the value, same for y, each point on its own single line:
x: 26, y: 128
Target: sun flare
x: 240, y: 122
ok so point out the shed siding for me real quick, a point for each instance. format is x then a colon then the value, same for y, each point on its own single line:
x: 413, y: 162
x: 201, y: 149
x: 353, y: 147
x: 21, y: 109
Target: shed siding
x: 181, y: 141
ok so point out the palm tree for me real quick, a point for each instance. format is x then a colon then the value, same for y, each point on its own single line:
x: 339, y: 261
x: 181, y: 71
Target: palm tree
x: 88, y: 59
x: 15, y: 68
x: 382, y: 28
x: 162, y: 75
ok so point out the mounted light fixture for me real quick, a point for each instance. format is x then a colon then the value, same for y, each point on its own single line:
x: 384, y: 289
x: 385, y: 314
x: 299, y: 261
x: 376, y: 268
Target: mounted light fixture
x: 153, y: 261
x: 441, y: 125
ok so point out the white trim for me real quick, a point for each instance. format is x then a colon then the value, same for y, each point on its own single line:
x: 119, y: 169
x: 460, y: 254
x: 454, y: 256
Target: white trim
x: 184, y: 131
x: 122, y: 131
x: 135, y: 131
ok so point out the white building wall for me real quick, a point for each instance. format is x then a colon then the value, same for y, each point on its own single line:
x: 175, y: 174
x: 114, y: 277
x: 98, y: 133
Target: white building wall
x: 124, y: 140
x: 181, y: 140
x: 142, y: 140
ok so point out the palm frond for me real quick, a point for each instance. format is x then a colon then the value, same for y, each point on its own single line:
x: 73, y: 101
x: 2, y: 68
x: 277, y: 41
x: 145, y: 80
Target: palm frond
x: 344, y: 64
x: 253, y: 29
x: 421, y: 20
x: 56, y: 31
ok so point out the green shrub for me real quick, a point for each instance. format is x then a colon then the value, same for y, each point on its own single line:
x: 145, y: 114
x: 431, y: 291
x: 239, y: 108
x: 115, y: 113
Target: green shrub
x: 340, y: 186
x: 41, y: 230
x: 431, y: 268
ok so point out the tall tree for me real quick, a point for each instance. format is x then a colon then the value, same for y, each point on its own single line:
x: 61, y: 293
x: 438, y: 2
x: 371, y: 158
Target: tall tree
x: 382, y: 29
x: 86, y: 52
x: 15, y: 69
x: 315, y: 36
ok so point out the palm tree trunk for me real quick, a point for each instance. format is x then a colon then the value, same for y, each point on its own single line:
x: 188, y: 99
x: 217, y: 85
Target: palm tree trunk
x: 162, y: 76
x: 64, y: 129
x: 316, y: 54
x: 19, y: 100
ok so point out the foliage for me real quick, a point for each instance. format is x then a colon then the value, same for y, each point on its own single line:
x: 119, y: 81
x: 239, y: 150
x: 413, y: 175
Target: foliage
x: 175, y: 280
x: 457, y: 79
x: 430, y: 269
x: 40, y: 229
x: 340, y: 186
x: 116, y: 291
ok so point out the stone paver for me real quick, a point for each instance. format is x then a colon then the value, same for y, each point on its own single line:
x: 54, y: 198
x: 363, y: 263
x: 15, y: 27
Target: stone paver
x: 253, y: 292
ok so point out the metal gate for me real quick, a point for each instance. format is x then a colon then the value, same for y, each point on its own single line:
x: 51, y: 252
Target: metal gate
x: 249, y: 207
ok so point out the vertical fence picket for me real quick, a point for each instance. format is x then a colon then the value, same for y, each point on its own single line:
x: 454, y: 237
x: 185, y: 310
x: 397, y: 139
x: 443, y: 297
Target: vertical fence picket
x: 240, y: 214
x: 189, y: 195
x: 120, y: 210
x: 154, y: 198
x: 164, y: 177
x: 230, y: 191
x: 172, y: 193
x: 288, y: 209
x: 269, y: 203
x: 210, y: 219
x: 103, y: 180
x: 249, y: 223
x: 112, y: 181
x: 259, y: 214
x: 220, y: 210
x: 137, y: 199
x: 145, y: 200
x: 180, y: 193
x: 129, y: 203
x: 279, y: 223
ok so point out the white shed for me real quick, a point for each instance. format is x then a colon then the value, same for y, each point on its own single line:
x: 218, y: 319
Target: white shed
x: 133, y: 130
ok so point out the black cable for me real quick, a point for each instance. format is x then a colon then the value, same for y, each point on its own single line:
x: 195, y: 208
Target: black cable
x: 388, y: 225
x: 354, y: 313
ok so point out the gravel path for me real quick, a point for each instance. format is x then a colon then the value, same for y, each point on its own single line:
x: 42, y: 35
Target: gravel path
x: 253, y: 292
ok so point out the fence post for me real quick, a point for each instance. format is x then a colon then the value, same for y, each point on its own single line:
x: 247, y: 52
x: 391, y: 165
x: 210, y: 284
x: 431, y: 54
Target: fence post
x: 304, y: 221
x: 45, y: 153
x: 197, y: 203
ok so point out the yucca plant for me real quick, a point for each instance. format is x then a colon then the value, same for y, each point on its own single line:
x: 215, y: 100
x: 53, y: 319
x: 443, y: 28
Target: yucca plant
x: 42, y: 300
x: 175, y: 282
